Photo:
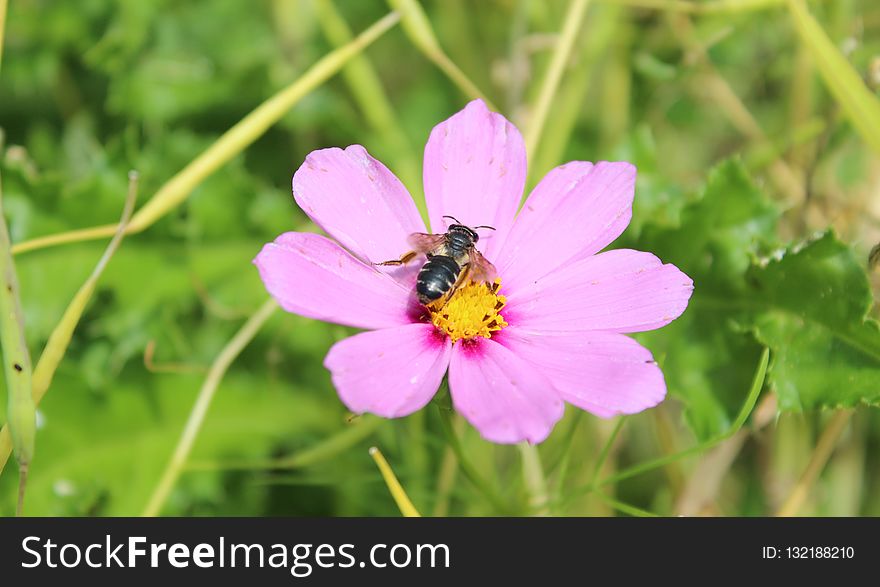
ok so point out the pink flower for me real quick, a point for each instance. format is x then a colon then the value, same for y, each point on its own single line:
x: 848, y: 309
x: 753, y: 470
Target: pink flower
x: 553, y: 332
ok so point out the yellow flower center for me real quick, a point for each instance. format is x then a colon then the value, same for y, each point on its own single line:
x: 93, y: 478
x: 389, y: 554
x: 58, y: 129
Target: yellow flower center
x: 472, y: 311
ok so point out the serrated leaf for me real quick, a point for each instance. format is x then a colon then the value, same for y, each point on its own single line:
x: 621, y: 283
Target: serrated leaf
x: 808, y: 303
x: 707, y: 357
x: 814, y: 300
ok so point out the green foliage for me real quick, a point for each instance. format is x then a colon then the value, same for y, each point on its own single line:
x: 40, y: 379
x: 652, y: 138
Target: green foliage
x: 807, y: 302
x: 707, y: 354
x: 815, y: 299
x: 92, y: 89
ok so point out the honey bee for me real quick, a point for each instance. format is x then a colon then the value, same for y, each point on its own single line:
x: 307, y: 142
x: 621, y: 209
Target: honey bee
x: 452, y: 258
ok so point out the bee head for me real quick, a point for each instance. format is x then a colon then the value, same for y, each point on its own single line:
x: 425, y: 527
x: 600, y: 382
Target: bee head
x: 465, y: 230
x: 458, y: 227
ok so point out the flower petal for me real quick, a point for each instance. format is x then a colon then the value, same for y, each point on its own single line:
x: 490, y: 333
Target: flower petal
x: 574, y: 212
x: 391, y: 372
x: 501, y: 394
x: 357, y: 201
x: 313, y: 276
x: 619, y: 291
x: 475, y: 170
x: 605, y: 373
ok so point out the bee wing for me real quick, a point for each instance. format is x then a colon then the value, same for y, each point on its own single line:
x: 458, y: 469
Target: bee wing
x: 480, y: 268
x: 425, y: 243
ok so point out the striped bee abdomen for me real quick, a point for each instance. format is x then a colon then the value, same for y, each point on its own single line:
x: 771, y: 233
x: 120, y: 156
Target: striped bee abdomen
x: 436, y: 278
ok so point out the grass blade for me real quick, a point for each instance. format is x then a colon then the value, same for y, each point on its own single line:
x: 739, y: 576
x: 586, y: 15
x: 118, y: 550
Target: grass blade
x: 824, y: 448
x: 400, y: 497
x: 418, y: 28
x: 176, y: 190
x: 371, y: 98
x: 860, y: 105
x: 574, y: 19
x: 745, y: 411
x: 361, y: 429
x: 197, y: 415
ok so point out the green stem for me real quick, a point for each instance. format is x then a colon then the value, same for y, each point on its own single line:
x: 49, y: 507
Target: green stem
x: 3, y: 6
x: 821, y: 454
x: 446, y: 477
x: 321, y: 452
x: 625, y: 507
x: 234, y: 141
x: 745, y: 411
x: 574, y: 18
x: 20, y: 407
x: 606, y: 449
x: 197, y: 415
x: 365, y: 86
x: 700, y: 7
x: 561, y: 462
x: 467, y: 468
x: 418, y: 28
x: 568, y: 106
x: 859, y: 103
x: 533, y: 475
x: 21, y: 410
x: 59, y: 339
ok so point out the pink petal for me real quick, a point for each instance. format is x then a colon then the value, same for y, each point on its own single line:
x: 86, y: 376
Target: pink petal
x: 619, y: 291
x: 574, y: 212
x: 357, y: 201
x: 312, y: 276
x: 391, y: 372
x: 475, y: 170
x: 605, y: 373
x: 501, y: 394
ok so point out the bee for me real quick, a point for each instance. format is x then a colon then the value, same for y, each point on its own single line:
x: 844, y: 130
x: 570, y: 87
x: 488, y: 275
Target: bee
x: 452, y: 259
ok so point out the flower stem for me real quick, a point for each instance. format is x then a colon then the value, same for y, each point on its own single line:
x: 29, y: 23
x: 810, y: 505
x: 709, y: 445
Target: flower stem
x: 447, y: 474
x: 533, y: 475
x: 203, y: 402
x: 467, y: 468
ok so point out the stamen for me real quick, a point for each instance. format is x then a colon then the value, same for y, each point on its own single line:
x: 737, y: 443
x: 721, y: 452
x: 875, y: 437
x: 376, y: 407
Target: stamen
x: 472, y: 311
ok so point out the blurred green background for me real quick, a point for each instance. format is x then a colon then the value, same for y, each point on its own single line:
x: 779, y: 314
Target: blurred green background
x: 742, y: 154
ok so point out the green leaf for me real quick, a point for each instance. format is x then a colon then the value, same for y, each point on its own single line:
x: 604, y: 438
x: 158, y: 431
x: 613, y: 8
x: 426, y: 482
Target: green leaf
x: 704, y: 353
x: 807, y: 302
x: 815, y: 299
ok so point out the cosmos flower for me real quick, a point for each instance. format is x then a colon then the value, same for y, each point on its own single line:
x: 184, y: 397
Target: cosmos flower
x: 551, y: 329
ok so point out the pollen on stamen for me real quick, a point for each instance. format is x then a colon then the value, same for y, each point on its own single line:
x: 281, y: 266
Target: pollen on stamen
x: 472, y: 311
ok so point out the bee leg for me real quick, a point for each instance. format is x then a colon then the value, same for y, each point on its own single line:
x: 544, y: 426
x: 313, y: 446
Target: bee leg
x: 404, y: 259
